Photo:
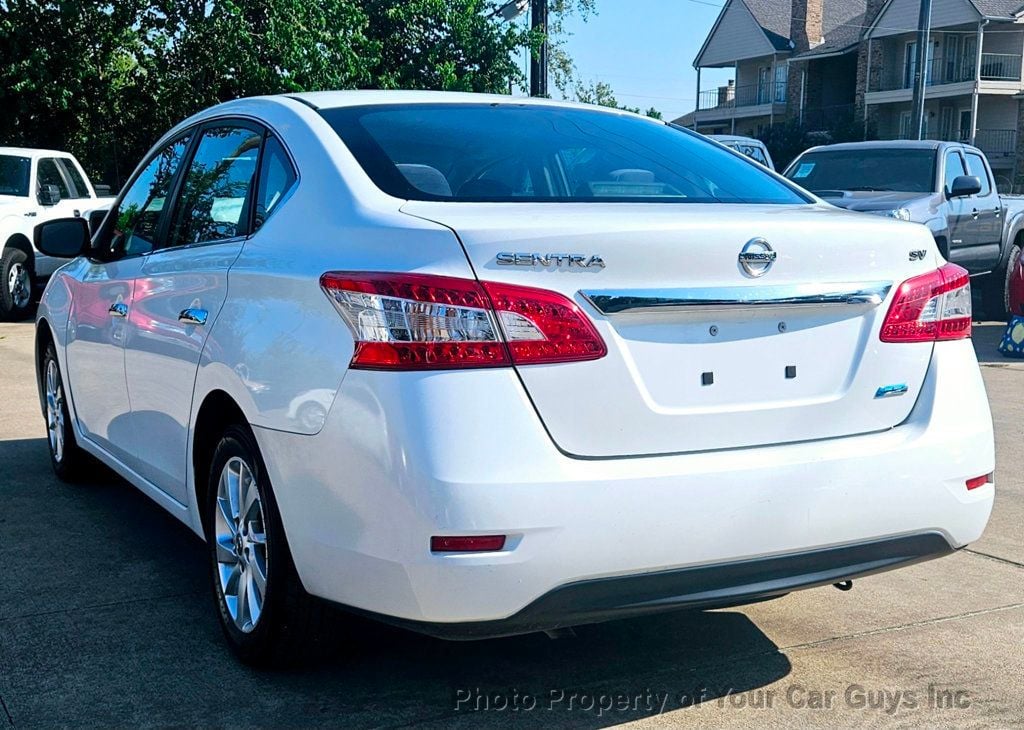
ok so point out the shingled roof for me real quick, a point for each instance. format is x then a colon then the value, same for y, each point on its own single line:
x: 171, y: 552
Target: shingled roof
x: 999, y: 8
x: 840, y: 18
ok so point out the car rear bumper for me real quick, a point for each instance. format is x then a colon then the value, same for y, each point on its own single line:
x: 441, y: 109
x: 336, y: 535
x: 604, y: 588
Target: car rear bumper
x: 703, y: 587
x: 405, y: 456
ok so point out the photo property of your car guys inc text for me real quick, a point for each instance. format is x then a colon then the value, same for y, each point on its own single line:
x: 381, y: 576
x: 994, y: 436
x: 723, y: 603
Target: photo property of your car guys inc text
x: 473, y: 363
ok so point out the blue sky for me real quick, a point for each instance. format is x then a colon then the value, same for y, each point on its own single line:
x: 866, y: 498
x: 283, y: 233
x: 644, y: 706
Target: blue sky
x: 645, y: 50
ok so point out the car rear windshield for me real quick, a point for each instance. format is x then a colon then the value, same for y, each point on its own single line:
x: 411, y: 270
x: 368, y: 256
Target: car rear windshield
x: 524, y: 153
x: 14, y: 172
x: 868, y: 170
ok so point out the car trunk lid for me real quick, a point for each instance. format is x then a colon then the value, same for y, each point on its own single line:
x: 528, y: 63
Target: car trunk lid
x: 703, y: 354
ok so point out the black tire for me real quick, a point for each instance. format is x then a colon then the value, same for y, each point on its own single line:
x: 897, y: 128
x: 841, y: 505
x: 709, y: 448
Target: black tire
x: 994, y: 290
x: 69, y: 462
x: 290, y: 620
x: 16, y: 294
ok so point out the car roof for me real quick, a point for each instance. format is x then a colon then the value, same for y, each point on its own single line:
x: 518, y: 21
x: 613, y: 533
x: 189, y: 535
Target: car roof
x: 907, y: 144
x: 32, y: 152
x: 335, y: 99
x: 735, y: 138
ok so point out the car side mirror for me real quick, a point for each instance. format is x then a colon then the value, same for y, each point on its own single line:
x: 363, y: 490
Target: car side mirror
x: 48, y: 195
x: 965, y: 186
x: 63, y: 238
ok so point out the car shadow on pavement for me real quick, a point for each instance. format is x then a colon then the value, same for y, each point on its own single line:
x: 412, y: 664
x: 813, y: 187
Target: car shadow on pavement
x: 986, y: 337
x: 106, y: 619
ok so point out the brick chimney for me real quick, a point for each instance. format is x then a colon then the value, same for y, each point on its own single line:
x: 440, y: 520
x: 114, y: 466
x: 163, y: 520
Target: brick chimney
x: 868, y: 69
x: 805, y: 24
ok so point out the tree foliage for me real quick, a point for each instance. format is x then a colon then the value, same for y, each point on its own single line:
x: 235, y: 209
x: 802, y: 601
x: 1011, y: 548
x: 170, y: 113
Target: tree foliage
x: 104, y: 78
x: 601, y: 93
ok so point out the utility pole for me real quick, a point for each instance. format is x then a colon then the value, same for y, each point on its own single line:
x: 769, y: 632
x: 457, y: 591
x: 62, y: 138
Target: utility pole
x: 539, y: 61
x: 924, y: 26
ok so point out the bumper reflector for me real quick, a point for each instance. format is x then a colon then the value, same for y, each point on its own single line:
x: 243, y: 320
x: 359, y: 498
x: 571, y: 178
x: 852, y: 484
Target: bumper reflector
x: 467, y: 544
x: 979, y: 482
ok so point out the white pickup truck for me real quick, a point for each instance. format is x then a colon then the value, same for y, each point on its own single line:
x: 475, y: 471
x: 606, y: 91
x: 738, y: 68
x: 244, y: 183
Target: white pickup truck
x: 35, y: 185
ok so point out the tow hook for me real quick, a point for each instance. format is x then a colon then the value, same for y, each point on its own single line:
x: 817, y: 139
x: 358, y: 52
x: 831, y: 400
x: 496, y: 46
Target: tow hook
x: 846, y: 585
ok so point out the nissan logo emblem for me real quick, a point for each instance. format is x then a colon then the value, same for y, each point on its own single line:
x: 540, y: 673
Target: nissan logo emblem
x: 757, y: 257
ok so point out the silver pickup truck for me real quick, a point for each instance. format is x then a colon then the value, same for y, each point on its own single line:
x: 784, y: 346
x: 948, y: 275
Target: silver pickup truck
x: 947, y: 186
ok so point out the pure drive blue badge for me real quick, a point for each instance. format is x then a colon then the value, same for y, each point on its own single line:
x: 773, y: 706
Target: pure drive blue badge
x: 891, y: 391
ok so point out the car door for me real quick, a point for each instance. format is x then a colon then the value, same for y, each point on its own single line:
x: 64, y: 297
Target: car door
x: 962, y: 225
x: 180, y: 290
x: 101, y: 299
x: 987, y: 211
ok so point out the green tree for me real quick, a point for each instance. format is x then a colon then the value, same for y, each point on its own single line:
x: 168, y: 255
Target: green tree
x: 601, y: 93
x: 103, y: 79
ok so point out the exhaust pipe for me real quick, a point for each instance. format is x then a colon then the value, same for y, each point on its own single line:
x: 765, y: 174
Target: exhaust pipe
x: 846, y: 585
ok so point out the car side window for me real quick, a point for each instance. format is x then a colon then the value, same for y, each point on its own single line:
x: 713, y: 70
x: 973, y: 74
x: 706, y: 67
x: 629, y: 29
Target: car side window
x: 954, y: 168
x: 215, y: 193
x: 137, y: 218
x: 79, y: 188
x: 276, y: 178
x: 48, y: 174
x: 977, y: 167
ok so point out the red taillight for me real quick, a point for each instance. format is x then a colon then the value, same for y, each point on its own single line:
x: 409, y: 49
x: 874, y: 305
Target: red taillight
x: 467, y: 544
x: 541, y: 326
x: 931, y: 307
x: 978, y: 482
x: 425, y: 322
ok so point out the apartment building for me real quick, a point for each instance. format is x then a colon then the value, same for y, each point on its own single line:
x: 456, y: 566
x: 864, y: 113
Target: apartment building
x: 791, y: 60
x: 826, y: 63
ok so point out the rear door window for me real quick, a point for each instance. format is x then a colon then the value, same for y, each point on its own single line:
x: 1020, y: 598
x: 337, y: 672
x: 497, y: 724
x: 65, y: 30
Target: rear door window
x: 977, y: 167
x: 216, y: 190
x: 79, y: 188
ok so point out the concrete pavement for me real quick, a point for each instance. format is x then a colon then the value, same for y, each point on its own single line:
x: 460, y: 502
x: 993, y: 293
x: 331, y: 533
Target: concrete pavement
x: 105, y: 620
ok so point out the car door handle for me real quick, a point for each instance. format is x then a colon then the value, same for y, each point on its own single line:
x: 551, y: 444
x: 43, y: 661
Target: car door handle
x: 975, y: 214
x: 193, y: 315
x: 997, y: 211
x: 118, y: 309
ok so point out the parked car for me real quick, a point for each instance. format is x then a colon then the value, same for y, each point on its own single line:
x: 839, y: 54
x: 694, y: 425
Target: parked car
x: 947, y: 186
x: 753, y: 148
x: 35, y: 185
x: 552, y: 394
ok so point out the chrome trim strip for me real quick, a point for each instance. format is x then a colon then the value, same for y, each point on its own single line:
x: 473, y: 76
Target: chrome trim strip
x: 627, y: 301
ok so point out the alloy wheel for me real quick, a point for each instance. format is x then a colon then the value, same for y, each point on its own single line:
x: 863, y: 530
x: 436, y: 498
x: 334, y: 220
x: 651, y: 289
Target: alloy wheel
x: 240, y: 533
x: 19, y: 285
x: 55, y: 411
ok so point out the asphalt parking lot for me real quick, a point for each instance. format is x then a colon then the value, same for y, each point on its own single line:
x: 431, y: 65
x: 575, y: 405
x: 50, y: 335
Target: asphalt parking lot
x: 106, y: 620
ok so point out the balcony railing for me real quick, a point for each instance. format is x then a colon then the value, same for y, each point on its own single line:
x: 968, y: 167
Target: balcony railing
x: 939, y: 71
x: 997, y: 142
x: 993, y: 142
x: 731, y: 97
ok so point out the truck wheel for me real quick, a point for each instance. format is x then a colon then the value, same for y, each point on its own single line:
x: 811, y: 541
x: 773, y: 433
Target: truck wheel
x: 994, y: 289
x: 15, y: 284
x: 1011, y: 284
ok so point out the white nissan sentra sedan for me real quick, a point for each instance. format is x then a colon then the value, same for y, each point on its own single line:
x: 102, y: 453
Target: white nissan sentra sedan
x: 480, y: 366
